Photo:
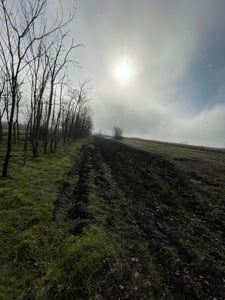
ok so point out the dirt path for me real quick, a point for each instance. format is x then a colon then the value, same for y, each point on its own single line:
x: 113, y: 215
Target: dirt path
x: 172, y: 245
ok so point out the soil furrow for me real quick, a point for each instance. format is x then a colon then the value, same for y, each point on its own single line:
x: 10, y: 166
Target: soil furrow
x: 170, y: 246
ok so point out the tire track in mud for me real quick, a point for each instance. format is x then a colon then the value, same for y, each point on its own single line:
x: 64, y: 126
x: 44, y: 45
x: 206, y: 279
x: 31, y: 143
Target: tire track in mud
x: 172, y: 248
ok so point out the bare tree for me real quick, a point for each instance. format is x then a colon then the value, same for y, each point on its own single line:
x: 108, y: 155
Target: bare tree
x: 24, y: 26
x: 25, y: 144
x: 118, y: 133
x: 13, y: 50
x: 55, y: 128
x: 16, y: 130
x: 2, y: 103
x: 59, y: 58
x: 73, y: 113
x: 40, y: 72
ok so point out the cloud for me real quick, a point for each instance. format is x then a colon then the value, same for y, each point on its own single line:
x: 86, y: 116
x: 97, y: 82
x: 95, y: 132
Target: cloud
x: 207, y: 128
x: 168, y: 41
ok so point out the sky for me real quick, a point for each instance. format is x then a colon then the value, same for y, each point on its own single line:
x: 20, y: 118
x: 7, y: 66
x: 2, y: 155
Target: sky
x: 176, y: 50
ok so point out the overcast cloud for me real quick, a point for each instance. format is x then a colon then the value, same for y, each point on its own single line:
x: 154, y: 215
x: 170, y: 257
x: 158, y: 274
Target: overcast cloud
x: 177, y: 49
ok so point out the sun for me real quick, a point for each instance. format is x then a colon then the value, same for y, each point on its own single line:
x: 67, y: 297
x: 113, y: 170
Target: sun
x: 123, y: 71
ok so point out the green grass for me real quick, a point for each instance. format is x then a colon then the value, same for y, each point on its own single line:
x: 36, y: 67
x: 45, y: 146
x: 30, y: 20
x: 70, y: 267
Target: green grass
x: 81, y: 267
x: 41, y: 258
x: 179, y: 151
x: 27, y: 235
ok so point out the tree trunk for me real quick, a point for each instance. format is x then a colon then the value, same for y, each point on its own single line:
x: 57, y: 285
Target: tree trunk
x: 46, y: 133
x: 17, y: 131
x: 1, y: 130
x: 9, y: 137
x: 25, y: 144
x: 17, y: 122
x: 14, y: 132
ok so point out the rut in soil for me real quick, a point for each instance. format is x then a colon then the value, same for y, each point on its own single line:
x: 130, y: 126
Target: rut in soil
x: 172, y: 247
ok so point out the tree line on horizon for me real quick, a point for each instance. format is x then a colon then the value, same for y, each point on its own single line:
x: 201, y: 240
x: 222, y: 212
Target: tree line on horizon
x: 39, y: 106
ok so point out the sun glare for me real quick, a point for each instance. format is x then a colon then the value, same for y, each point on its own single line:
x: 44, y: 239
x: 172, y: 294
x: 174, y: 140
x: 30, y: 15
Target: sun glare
x: 123, y: 71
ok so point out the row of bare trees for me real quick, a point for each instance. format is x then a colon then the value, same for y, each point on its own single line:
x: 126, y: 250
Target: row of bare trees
x: 34, y: 87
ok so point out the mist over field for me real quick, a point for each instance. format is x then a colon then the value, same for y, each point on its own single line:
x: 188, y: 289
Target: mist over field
x: 176, y: 49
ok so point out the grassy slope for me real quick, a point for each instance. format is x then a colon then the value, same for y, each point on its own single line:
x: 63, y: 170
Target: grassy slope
x: 41, y: 254
x: 27, y: 235
x: 205, y: 166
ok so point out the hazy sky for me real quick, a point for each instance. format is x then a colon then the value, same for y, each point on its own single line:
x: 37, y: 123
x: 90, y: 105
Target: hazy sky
x: 177, y: 52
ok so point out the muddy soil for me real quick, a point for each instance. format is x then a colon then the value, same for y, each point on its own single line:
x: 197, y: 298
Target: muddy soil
x: 173, y: 246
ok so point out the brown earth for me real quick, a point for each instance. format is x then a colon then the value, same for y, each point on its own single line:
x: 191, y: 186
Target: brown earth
x: 173, y: 243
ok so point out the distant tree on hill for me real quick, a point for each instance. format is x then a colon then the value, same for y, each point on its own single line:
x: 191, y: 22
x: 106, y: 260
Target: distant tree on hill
x: 117, y: 133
